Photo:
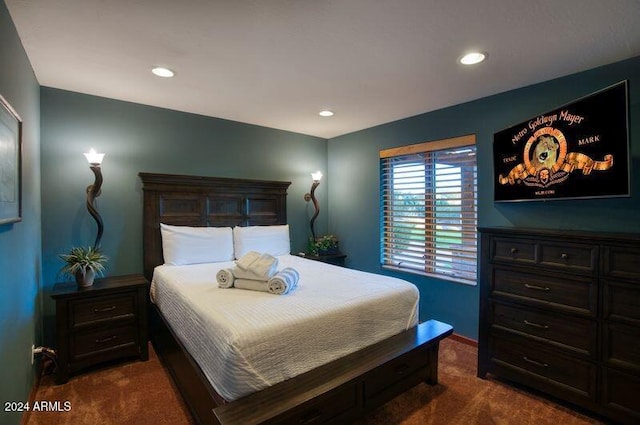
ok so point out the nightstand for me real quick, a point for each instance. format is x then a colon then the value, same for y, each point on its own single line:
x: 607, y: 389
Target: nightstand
x: 103, y: 322
x: 336, y: 259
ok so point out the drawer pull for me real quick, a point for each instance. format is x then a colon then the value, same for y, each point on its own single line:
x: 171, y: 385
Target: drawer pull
x: 528, y: 360
x: 514, y: 250
x: 564, y: 256
x: 536, y: 287
x: 535, y: 325
x: 104, y: 309
x: 107, y: 339
x: 311, y: 416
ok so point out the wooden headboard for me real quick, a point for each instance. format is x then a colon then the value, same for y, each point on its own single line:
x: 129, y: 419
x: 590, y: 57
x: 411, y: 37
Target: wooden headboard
x: 206, y: 201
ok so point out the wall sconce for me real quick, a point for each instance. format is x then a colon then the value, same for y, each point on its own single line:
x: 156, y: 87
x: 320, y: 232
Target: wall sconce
x: 93, y: 191
x: 317, y: 176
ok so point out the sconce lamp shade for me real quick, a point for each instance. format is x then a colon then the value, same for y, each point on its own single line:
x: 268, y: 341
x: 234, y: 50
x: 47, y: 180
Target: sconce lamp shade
x: 317, y: 176
x: 93, y: 157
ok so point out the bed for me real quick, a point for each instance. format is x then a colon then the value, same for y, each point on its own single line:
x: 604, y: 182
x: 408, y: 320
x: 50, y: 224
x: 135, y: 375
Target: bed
x: 338, y: 387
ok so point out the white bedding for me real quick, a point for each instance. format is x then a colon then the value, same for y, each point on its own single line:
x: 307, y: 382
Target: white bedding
x: 245, y: 341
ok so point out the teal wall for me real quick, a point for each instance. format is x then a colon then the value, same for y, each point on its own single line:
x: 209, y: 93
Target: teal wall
x: 139, y: 138
x: 20, y: 275
x: 353, y: 158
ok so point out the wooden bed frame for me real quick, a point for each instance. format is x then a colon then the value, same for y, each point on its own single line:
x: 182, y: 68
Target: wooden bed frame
x: 338, y: 392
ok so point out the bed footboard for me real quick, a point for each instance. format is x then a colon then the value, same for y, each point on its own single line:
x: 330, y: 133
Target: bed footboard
x: 346, y: 388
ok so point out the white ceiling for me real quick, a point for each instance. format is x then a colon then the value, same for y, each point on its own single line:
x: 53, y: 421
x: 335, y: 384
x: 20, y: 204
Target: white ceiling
x: 277, y: 63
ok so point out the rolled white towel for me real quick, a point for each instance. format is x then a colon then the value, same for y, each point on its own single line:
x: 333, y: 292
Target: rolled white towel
x: 225, y: 278
x: 283, y: 282
x: 251, y: 284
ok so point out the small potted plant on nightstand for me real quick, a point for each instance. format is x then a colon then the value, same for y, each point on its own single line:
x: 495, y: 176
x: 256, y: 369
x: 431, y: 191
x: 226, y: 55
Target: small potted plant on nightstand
x: 324, y: 245
x: 83, y: 264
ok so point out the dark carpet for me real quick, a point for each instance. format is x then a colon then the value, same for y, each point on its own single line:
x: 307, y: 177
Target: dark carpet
x: 143, y: 393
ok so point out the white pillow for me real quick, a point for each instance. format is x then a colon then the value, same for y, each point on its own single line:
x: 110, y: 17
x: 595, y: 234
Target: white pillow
x: 192, y: 245
x: 273, y: 240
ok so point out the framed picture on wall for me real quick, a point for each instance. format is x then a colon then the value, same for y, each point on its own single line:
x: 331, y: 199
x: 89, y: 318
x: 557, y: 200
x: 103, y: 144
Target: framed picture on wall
x: 579, y: 150
x: 10, y: 164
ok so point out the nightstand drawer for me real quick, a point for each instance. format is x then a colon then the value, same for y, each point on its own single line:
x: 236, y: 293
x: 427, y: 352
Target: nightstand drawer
x: 560, y: 329
x: 92, y: 343
x: 92, y: 311
x: 562, y: 292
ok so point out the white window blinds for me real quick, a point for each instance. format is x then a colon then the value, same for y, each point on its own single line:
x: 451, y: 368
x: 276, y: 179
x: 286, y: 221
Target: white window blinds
x: 429, y: 208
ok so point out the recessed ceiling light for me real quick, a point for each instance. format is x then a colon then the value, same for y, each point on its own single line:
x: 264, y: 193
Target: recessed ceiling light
x: 473, y: 58
x: 325, y: 113
x: 162, y: 72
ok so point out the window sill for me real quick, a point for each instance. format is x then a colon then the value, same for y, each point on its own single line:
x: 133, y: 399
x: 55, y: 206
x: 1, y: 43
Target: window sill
x: 433, y: 275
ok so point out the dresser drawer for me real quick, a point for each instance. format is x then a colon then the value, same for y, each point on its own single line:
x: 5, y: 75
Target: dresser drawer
x: 571, y: 332
x: 620, y: 261
x: 572, y: 293
x: 554, y: 366
x: 576, y: 257
x: 91, y: 343
x: 620, y: 394
x: 91, y: 311
x: 622, y: 301
x: 622, y: 346
x: 513, y: 250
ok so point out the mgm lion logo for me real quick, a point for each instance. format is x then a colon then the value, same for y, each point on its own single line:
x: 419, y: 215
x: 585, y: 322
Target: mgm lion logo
x: 546, y: 148
x: 545, y: 153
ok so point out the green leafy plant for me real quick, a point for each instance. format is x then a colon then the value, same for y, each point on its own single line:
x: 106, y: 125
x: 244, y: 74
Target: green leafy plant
x: 80, y: 260
x: 323, y: 244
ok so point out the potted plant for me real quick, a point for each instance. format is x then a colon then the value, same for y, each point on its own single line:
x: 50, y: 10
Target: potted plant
x: 324, y: 245
x: 83, y: 264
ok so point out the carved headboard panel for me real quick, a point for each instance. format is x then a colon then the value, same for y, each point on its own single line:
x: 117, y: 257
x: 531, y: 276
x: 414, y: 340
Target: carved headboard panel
x: 206, y: 201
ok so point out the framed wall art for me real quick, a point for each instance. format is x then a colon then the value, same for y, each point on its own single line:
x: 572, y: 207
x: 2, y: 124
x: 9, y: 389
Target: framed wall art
x: 579, y: 150
x: 10, y: 164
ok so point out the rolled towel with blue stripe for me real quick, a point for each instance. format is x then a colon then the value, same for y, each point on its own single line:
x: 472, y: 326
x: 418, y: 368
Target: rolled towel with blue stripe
x: 283, y: 282
x: 225, y: 278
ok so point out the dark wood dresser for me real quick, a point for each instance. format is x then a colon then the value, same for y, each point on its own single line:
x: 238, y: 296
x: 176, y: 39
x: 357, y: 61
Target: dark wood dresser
x: 560, y: 312
x: 106, y: 321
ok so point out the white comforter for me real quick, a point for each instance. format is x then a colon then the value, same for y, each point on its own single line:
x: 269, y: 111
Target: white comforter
x: 245, y: 340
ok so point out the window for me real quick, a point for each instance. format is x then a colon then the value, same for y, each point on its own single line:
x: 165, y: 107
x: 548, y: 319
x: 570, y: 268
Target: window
x: 428, y: 209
